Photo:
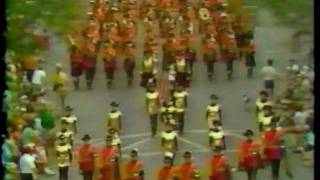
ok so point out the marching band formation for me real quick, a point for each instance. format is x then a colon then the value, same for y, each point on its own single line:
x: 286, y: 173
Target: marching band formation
x: 181, y: 32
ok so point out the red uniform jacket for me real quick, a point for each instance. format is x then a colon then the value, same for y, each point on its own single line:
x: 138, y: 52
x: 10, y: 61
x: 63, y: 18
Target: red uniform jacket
x: 75, y: 60
x: 218, y: 168
x: 132, y: 168
x: 248, y: 154
x: 107, y: 170
x: 167, y: 172
x: 186, y: 171
x: 86, y: 158
x: 271, y: 144
x: 109, y: 58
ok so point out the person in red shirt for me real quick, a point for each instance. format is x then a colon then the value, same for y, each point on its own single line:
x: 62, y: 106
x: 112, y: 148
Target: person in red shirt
x: 109, y: 59
x: 188, y: 170
x: 210, y: 47
x: 87, y: 158
x: 272, y: 147
x: 249, y: 55
x: 219, y: 166
x: 75, y: 64
x: 134, y: 168
x: 109, y: 155
x: 88, y: 50
x: 129, y: 61
x: 168, y: 171
x: 249, y: 155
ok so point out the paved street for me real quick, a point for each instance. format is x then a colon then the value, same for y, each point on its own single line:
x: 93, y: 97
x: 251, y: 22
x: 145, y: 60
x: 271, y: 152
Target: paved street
x: 91, y: 106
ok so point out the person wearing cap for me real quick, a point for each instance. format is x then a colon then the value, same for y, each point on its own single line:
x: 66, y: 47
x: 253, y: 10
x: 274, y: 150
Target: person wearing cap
x: 152, y: 105
x: 66, y: 133
x: 129, y: 61
x: 269, y: 74
x: 134, y: 169
x: 27, y: 163
x: 272, y: 147
x: 213, y: 112
x: 180, y: 101
x: 75, y: 65
x: 148, y: 69
x: 210, y: 53
x: 249, y: 155
x: 64, y: 157
x: 114, y: 118
x: 108, y: 158
x: 70, y: 118
x: 219, y: 166
x: 86, y: 161
x: 188, y: 169
x: 216, y: 137
x: 168, y: 171
x: 59, y: 81
x: 109, y: 59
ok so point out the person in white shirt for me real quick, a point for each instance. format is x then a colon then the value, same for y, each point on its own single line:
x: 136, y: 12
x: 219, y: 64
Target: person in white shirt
x: 27, y: 163
x: 39, y: 76
x: 269, y: 74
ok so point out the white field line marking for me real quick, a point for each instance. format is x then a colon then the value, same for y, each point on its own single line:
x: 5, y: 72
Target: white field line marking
x: 148, y: 154
x: 136, y: 143
x: 192, y: 143
x: 199, y: 131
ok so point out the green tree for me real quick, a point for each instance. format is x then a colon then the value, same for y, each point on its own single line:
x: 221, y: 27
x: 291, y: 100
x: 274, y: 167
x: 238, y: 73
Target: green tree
x: 26, y: 17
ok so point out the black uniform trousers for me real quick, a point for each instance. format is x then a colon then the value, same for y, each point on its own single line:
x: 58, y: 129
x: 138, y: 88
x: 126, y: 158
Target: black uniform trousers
x: 26, y: 176
x: 88, y: 175
x: 180, y: 116
x: 275, y: 167
x: 252, y: 173
x: 154, y: 123
x: 63, y: 173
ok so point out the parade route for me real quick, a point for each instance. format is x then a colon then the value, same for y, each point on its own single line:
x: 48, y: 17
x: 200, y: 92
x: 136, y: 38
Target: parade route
x: 92, y: 106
